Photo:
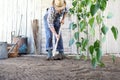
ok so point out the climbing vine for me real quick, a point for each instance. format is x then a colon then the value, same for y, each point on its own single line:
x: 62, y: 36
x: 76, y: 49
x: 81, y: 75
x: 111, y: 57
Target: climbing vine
x: 89, y: 14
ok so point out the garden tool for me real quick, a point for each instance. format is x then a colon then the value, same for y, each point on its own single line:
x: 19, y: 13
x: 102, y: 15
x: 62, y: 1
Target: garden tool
x: 13, y: 46
x: 56, y: 44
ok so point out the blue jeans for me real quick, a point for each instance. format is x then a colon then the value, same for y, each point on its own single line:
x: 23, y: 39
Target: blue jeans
x: 49, y: 35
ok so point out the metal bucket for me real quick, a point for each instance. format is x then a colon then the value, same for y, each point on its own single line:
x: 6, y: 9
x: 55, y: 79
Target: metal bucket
x: 3, y: 50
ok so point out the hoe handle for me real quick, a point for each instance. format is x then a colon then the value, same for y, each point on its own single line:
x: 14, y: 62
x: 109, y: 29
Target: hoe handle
x: 54, y: 50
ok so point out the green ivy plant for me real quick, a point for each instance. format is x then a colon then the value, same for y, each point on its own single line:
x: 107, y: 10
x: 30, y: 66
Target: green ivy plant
x: 89, y: 14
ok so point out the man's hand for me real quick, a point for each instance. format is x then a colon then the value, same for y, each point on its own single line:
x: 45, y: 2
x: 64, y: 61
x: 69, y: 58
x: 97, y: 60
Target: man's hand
x: 62, y: 21
x: 57, y: 36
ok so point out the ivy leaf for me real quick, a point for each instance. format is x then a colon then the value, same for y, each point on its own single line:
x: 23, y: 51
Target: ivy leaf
x: 96, y: 44
x: 103, y: 4
x: 83, y: 15
x: 91, y: 49
x: 93, y: 9
x: 71, y: 10
x: 72, y: 26
x: 84, y: 43
x: 83, y: 2
x: 82, y: 25
x: 76, y: 35
x: 104, y: 29
x: 79, y: 16
x: 78, y: 44
x: 99, y: 19
x: 115, y: 32
x: 98, y: 54
x: 109, y: 16
x: 88, y: 14
x: 91, y: 21
x: 71, y: 41
x: 74, y: 3
x: 88, y: 2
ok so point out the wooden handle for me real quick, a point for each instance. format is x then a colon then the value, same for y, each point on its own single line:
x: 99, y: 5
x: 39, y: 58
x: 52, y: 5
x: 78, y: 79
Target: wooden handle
x: 54, y: 50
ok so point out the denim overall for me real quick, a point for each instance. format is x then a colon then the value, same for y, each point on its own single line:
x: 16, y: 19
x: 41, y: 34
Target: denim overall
x: 49, y: 44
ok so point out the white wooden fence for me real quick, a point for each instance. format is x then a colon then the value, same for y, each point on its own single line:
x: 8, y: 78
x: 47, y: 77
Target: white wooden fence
x: 10, y: 16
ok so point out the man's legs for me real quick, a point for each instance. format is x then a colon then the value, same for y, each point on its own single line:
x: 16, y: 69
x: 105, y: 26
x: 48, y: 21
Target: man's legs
x: 60, y: 45
x: 49, y: 45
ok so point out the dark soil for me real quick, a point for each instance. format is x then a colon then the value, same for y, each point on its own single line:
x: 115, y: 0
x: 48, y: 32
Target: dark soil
x: 37, y: 68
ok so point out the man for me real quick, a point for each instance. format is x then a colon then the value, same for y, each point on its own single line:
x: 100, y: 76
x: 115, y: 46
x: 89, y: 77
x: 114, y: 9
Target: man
x: 52, y: 23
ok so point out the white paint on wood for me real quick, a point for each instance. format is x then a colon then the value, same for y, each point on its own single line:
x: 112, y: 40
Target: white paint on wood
x: 11, y: 11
